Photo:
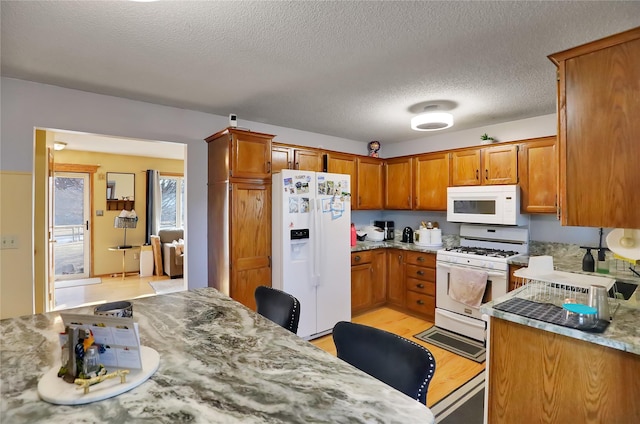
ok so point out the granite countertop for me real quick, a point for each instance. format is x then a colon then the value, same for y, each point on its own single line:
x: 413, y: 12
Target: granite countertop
x: 447, y: 241
x: 623, y: 333
x: 219, y: 362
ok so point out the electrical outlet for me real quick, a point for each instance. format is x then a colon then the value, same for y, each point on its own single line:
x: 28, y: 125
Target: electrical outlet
x: 9, y: 242
x: 136, y: 255
x: 99, y: 212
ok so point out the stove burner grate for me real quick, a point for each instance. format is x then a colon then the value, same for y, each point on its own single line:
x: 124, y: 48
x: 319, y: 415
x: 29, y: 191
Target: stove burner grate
x: 491, y: 253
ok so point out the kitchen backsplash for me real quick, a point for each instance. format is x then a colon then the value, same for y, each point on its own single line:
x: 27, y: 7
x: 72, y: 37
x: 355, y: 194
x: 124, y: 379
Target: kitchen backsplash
x: 543, y: 228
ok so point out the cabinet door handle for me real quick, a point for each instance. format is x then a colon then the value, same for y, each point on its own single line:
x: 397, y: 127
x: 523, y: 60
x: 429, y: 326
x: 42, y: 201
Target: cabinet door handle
x: 420, y: 302
x: 477, y: 177
x: 408, y: 200
x: 269, y: 167
x: 297, y: 165
x: 359, y: 200
x: 400, y: 258
x: 420, y: 286
x: 420, y: 273
x: 356, y: 258
x: 420, y: 258
x: 289, y: 165
x: 486, y: 174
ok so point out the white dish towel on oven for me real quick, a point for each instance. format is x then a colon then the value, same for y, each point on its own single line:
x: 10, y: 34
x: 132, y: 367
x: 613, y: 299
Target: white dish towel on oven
x: 467, y: 285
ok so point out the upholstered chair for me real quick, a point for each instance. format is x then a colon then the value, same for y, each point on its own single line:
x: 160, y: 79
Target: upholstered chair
x: 394, y: 360
x: 278, y: 306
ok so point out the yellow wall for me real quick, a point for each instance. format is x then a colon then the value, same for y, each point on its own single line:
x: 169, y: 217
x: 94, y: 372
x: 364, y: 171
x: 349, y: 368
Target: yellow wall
x: 104, y: 234
x: 16, y: 274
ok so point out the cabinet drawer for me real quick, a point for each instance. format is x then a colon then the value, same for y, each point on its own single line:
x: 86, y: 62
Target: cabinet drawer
x: 364, y: 257
x: 419, y: 286
x: 420, y: 258
x: 421, y: 303
x: 420, y: 272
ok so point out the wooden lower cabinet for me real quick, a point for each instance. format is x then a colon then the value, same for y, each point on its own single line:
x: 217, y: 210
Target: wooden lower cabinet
x: 513, y: 281
x: 420, y: 283
x: 361, y: 289
x: 368, y: 280
x: 395, y: 277
x: 379, y: 278
x: 542, y: 377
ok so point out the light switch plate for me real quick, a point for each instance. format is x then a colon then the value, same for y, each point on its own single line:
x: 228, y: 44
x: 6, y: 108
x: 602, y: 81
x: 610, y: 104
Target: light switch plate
x: 99, y: 212
x: 9, y: 242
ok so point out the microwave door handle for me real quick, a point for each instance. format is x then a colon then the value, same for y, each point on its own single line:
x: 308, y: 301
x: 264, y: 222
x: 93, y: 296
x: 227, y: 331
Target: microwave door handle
x: 490, y: 274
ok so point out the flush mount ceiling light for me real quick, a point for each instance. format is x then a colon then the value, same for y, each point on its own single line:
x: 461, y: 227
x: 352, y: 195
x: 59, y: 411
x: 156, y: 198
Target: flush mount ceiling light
x: 431, y: 120
x: 59, y: 145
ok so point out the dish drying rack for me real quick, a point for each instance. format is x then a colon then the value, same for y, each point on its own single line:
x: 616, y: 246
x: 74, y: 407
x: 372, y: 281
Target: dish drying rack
x: 543, y: 284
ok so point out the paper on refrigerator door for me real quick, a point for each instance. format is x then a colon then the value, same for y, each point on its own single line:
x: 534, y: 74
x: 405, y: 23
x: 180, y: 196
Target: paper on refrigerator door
x: 336, y: 193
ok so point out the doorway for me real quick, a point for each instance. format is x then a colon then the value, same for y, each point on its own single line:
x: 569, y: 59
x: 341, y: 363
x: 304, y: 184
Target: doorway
x: 81, y: 239
x: 71, y: 224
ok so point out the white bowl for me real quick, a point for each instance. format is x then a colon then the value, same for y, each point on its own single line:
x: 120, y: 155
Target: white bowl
x: 374, y: 234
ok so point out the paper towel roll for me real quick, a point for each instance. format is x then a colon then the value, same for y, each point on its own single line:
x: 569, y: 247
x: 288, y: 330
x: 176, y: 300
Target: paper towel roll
x: 436, y: 236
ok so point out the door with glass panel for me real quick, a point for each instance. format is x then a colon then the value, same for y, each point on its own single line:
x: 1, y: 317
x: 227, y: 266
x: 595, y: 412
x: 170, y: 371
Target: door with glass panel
x: 71, y: 225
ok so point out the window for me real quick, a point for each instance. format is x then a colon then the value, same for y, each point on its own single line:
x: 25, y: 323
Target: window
x: 172, y: 189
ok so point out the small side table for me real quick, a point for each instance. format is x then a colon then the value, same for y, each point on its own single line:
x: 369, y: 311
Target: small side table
x: 124, y: 251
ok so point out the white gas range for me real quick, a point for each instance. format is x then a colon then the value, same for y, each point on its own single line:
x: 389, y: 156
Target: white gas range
x: 485, y: 248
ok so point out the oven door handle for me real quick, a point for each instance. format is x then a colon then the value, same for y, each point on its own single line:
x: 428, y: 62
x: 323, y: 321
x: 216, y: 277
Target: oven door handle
x: 459, y: 318
x: 489, y: 273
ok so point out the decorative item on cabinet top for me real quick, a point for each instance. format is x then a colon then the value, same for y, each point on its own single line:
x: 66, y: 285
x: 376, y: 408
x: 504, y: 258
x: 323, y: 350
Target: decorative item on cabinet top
x: 374, y: 148
x: 485, y: 139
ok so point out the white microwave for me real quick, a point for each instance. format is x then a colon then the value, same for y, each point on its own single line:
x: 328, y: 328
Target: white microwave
x: 495, y: 204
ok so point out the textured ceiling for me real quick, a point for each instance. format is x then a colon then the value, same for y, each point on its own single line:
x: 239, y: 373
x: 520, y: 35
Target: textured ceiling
x: 358, y: 70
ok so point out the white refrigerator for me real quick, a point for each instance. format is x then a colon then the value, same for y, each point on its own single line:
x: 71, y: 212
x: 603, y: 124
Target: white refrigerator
x: 311, y: 246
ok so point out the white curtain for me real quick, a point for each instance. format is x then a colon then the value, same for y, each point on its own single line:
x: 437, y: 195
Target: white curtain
x: 154, y: 203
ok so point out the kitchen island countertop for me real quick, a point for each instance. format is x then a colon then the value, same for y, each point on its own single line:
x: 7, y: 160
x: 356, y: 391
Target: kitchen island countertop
x: 219, y: 362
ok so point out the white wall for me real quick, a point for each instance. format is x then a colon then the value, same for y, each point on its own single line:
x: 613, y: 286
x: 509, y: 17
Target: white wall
x: 26, y: 105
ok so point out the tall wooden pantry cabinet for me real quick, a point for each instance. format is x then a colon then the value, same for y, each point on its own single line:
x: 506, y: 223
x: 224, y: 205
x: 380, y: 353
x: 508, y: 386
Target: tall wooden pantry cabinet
x: 239, y: 213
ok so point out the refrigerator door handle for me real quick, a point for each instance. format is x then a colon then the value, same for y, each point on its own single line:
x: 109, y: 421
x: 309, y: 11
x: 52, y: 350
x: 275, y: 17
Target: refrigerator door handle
x: 315, y: 245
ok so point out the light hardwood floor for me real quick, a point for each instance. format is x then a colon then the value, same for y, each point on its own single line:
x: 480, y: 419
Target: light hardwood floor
x: 451, y: 370
x: 111, y: 289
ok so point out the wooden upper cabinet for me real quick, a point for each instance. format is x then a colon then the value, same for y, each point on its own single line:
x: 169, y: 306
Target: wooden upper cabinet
x: 307, y: 160
x: 370, y: 183
x: 286, y: 156
x: 249, y: 152
x: 431, y: 179
x: 599, y: 132
x: 500, y: 165
x: 465, y: 167
x: 398, y: 178
x: 281, y: 157
x: 538, y: 173
x: 343, y: 163
x: 485, y: 166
